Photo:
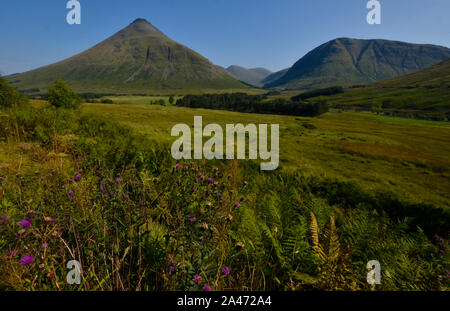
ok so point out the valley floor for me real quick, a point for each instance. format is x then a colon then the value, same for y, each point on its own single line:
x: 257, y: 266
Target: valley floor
x: 408, y: 157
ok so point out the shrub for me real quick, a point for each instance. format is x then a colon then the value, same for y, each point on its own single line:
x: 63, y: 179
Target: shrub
x: 61, y: 95
x: 9, y: 96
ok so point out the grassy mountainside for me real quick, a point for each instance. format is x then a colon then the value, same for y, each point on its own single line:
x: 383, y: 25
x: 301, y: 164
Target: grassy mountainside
x: 349, y: 62
x: 424, y: 94
x: 253, y: 76
x: 274, y: 76
x: 136, y: 59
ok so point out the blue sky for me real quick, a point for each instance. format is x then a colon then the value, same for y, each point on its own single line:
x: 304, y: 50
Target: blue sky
x: 251, y: 33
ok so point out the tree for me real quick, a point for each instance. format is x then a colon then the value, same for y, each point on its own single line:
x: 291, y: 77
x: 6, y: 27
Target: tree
x: 9, y: 96
x: 61, y: 95
x: 171, y: 100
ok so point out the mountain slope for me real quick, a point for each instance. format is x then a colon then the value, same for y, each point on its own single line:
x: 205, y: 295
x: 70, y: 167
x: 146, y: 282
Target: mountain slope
x: 437, y: 76
x: 252, y: 76
x: 137, y: 58
x: 348, y: 62
x: 274, y: 76
x: 424, y: 94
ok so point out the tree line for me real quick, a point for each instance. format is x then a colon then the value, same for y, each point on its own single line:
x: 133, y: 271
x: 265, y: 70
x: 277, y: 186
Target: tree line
x: 242, y: 102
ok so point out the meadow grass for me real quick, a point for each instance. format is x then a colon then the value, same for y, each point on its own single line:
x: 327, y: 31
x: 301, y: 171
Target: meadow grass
x: 99, y: 186
x: 409, y: 157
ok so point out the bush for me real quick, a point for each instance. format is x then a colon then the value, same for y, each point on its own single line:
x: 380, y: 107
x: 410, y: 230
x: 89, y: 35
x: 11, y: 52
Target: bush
x: 61, y: 95
x: 9, y: 96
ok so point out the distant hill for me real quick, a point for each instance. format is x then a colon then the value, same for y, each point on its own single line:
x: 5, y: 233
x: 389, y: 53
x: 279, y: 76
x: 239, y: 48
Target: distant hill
x: 252, y: 76
x: 349, y: 62
x: 274, y: 76
x: 136, y: 59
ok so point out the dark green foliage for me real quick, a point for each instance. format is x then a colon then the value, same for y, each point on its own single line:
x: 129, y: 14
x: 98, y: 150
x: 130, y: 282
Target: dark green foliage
x: 61, y: 95
x: 319, y: 92
x: 242, y: 102
x: 171, y: 100
x: 9, y: 96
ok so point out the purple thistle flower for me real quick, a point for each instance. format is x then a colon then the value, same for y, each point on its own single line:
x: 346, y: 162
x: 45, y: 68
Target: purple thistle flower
x: 177, y: 166
x: 200, y: 213
x: 237, y: 203
x: 102, y: 182
x: 219, y: 195
x: 203, y: 196
x: 200, y: 175
x: 78, y: 177
x: 210, y: 180
x: 226, y: 270
x: 70, y: 192
x: 126, y: 196
x: 197, y: 279
x: 44, y: 245
x: 171, y: 262
x: 26, y: 260
x: 436, y: 236
x: 119, y: 180
x: 25, y: 223
x: 194, y: 188
x: 72, y: 199
x: 149, y: 191
x: 101, y: 169
x: 70, y: 180
x: 242, y: 198
x: 441, y: 251
x: 172, y: 270
x: 191, y: 218
x: 207, y: 288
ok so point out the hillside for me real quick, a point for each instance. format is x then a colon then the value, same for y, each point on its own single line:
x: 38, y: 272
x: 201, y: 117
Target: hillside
x: 253, y: 76
x: 136, y: 59
x: 274, y: 76
x: 424, y: 94
x: 349, y: 62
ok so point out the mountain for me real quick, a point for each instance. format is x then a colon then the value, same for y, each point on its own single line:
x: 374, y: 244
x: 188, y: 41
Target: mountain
x: 274, y: 76
x: 252, y: 76
x: 347, y: 62
x: 136, y: 59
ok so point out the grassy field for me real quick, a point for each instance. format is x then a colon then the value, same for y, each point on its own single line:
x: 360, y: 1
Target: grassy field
x: 409, y: 157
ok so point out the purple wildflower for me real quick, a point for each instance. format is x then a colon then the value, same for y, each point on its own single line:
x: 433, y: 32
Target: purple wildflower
x: 242, y: 198
x: 194, y: 188
x: 172, y: 270
x: 226, y: 270
x: 191, y: 218
x: 200, y: 213
x: 119, y: 180
x: 101, y: 169
x: 177, y: 165
x: 44, y: 245
x: 78, y: 177
x: 70, y: 192
x: 72, y: 199
x: 70, y: 180
x: 25, y: 223
x: 102, y: 182
x: 197, y: 279
x: 237, y: 203
x: 26, y: 260
x: 210, y: 180
x: 171, y: 262
x: 207, y: 288
x: 219, y: 195
x: 149, y: 191
x: 200, y: 175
